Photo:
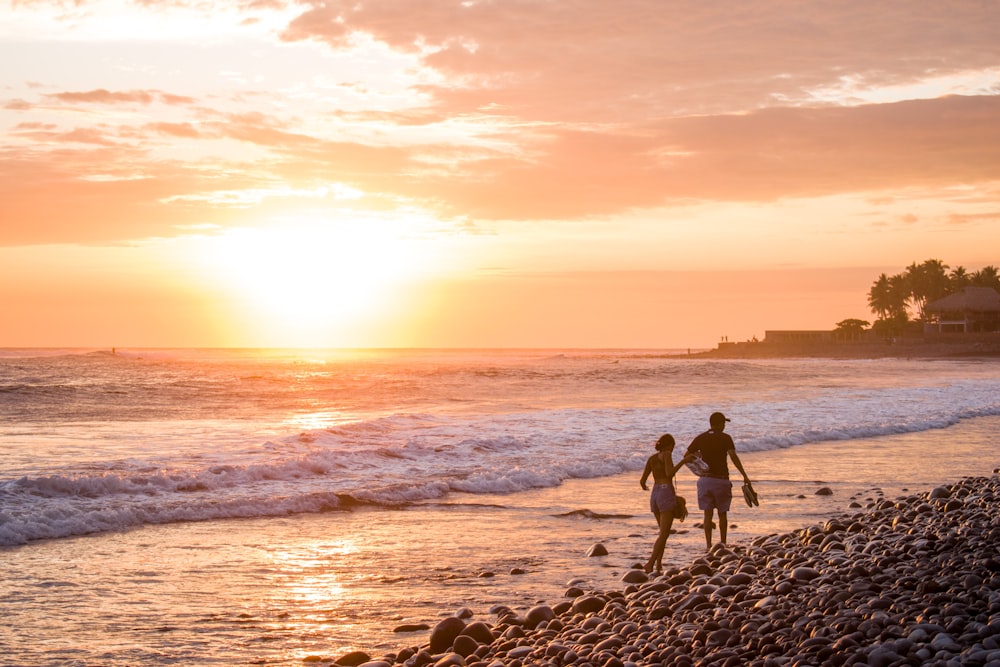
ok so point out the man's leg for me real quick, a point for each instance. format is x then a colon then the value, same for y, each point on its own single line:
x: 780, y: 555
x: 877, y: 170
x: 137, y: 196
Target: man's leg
x: 708, y: 528
x: 723, y: 525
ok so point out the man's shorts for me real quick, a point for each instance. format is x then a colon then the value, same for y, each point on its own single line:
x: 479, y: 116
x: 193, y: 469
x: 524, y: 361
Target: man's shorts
x: 661, y: 498
x: 714, y: 493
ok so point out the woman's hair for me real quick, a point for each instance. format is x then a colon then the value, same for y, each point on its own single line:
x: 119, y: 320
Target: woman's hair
x: 666, y: 441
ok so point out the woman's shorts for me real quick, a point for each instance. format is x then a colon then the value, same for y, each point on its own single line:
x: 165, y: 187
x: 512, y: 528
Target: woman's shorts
x: 661, y: 499
x: 714, y: 493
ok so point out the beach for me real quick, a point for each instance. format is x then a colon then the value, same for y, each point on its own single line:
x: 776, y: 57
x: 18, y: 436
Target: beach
x: 909, y: 581
x: 230, y: 510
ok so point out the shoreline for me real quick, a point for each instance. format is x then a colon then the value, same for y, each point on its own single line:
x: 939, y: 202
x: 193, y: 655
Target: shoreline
x: 914, y: 580
x: 986, y: 349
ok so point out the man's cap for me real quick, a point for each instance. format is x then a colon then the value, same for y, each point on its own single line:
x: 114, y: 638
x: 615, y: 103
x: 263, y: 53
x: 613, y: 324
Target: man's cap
x: 718, y: 417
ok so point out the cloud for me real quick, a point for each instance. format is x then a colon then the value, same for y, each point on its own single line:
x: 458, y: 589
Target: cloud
x: 523, y: 111
x: 593, y: 61
x: 102, y: 96
x: 559, y: 174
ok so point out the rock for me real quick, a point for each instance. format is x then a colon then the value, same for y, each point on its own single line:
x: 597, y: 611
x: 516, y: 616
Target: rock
x: 411, y: 627
x: 634, y: 576
x: 953, y: 505
x: 444, y: 634
x: 944, y: 642
x: 824, y: 491
x: 450, y: 660
x: 739, y: 579
x: 882, y: 656
x: 464, y: 645
x: 479, y: 631
x: 939, y: 492
x: 587, y: 604
x: 597, y: 550
x: 353, y: 659
x: 538, y: 615
x: 805, y: 573
x: 519, y: 652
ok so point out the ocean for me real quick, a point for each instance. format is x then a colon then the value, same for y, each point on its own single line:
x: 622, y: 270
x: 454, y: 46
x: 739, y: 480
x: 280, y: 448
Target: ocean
x: 231, y: 507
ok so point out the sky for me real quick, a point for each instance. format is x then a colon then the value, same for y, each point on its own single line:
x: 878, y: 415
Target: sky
x: 483, y: 173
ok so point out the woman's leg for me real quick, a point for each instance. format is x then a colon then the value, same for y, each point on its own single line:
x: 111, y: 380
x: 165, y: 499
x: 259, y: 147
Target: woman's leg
x: 648, y: 567
x: 665, y: 521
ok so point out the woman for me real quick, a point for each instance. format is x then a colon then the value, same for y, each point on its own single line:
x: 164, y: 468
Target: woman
x: 663, y: 499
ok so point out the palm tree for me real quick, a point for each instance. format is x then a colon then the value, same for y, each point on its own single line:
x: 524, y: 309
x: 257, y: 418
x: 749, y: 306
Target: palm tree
x: 959, y: 278
x: 880, y: 298
x: 988, y: 276
x: 927, y: 282
x: 899, y: 289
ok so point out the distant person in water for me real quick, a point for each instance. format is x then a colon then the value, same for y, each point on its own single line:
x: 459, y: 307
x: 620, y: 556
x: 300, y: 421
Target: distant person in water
x: 663, y: 498
x: 715, y: 491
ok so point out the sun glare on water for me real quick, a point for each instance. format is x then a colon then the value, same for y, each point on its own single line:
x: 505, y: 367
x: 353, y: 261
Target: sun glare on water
x: 307, y: 284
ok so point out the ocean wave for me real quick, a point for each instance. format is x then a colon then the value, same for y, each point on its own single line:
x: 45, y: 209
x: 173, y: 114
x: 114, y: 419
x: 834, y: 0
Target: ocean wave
x: 391, y: 460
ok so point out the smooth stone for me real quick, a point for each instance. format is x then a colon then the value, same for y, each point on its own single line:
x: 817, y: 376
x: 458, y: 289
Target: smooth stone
x: 520, y: 652
x: 634, y: 576
x: 444, y: 633
x: 739, y: 579
x: 464, y: 645
x: 804, y: 573
x: 766, y: 602
x: 882, y: 656
x: 411, y: 627
x: 953, y: 505
x: 939, y: 492
x: 538, y: 615
x: 944, y: 642
x: 353, y: 659
x: 479, y: 631
x: 587, y: 604
x: 450, y: 660
x: 597, y: 550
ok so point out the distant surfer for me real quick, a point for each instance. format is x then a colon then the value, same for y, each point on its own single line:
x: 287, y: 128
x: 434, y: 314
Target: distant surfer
x: 715, y: 491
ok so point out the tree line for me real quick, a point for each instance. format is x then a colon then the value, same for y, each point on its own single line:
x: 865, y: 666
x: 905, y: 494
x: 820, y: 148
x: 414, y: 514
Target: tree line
x: 896, y: 300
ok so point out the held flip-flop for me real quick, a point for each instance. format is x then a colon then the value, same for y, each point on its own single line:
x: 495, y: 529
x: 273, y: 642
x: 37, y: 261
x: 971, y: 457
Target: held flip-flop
x: 750, y: 496
x: 698, y: 466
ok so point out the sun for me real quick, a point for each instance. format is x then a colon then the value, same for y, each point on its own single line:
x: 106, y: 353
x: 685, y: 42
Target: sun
x: 308, y: 284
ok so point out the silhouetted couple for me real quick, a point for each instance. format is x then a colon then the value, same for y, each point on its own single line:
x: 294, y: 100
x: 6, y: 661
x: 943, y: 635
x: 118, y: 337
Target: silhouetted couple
x: 708, y: 456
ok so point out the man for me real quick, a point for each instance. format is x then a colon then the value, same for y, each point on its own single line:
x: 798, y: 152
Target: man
x: 715, y: 491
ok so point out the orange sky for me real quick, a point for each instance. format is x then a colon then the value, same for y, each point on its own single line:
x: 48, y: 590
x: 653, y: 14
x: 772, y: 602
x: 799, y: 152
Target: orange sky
x: 475, y: 173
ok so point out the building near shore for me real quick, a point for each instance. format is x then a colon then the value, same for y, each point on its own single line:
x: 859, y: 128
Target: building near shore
x: 970, y: 310
x: 797, y: 336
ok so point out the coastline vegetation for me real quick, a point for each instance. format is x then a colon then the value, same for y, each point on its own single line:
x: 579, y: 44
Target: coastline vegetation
x: 902, y: 298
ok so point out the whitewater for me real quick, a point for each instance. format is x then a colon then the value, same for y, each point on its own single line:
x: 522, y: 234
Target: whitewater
x: 242, y: 506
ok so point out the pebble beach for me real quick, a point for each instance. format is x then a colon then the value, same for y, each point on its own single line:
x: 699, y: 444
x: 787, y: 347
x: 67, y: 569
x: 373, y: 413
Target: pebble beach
x: 909, y: 581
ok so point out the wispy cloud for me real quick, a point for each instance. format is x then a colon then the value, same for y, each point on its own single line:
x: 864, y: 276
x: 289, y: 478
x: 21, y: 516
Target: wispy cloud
x: 513, y: 110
